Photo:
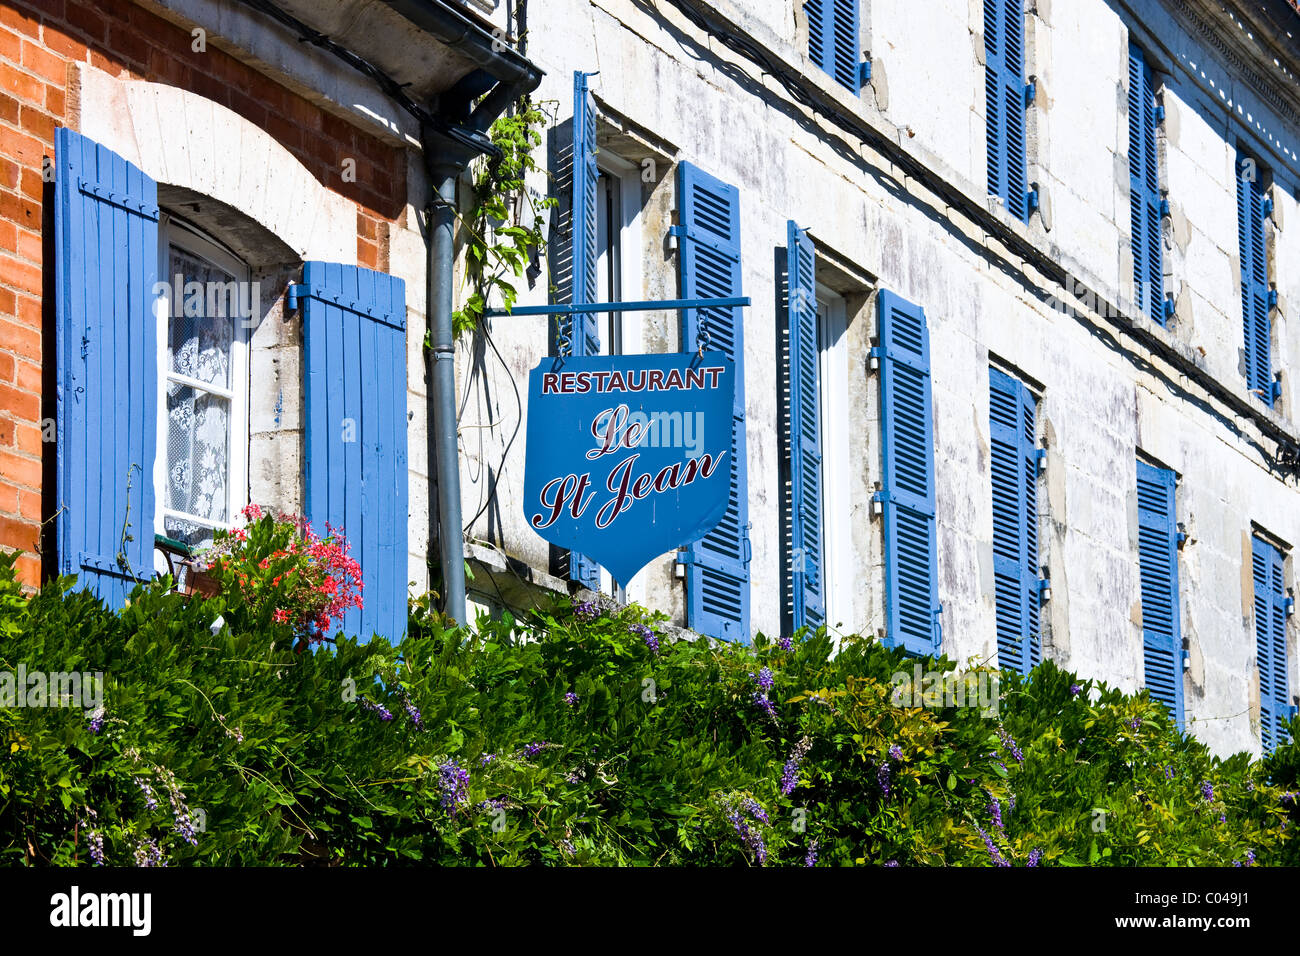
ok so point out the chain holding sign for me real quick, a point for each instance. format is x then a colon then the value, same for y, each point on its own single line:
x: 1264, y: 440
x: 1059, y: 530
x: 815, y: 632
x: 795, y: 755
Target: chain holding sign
x: 627, y: 454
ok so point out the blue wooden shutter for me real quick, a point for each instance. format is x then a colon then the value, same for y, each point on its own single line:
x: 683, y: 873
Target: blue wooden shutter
x: 1012, y: 429
x: 586, y: 328
x: 1144, y: 189
x: 833, y: 39
x: 1162, y: 643
x: 1004, y: 86
x: 717, y: 579
x: 911, y: 569
x: 106, y: 265
x: 1254, y: 278
x: 354, y: 352
x: 808, y: 587
x: 1270, y: 643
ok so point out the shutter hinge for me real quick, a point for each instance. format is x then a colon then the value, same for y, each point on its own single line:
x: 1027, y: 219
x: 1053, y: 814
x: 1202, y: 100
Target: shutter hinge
x: 1164, y: 209
x: 864, y: 73
x: 685, y: 558
x: 873, y: 358
x: 1031, y: 198
x: 749, y: 548
x: 1275, y: 388
x: 1181, y: 536
x: 878, y: 500
x: 938, y: 626
x: 1268, y: 206
x: 1044, y: 590
x: 1169, y: 305
x: 1040, y: 460
x: 1160, y: 113
x: 1031, y: 91
x: 293, y: 296
x: 674, y: 233
x: 1272, y: 299
x: 1289, y: 604
x: 1187, y: 659
x: 1293, y: 710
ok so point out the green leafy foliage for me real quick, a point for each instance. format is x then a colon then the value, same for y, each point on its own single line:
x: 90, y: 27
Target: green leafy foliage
x: 570, y: 738
x: 503, y: 229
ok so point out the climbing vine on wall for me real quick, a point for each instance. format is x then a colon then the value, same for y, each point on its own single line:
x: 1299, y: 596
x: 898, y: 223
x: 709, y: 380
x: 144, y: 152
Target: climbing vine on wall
x: 503, y: 227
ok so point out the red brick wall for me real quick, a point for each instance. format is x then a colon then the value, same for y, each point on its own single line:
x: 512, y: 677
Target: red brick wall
x: 39, y: 39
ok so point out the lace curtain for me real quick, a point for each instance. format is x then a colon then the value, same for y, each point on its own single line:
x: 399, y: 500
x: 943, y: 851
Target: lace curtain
x: 198, y: 421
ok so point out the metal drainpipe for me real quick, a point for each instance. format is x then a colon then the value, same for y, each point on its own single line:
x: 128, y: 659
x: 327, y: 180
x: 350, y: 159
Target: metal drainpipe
x: 442, y: 393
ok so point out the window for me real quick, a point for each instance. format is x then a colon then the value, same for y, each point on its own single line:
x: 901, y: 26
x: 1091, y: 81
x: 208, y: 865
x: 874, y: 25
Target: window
x: 833, y: 43
x: 907, y: 497
x: 837, y: 546
x: 1013, y: 413
x: 618, y: 270
x: 1007, y: 100
x: 1271, y: 606
x: 200, y: 473
x: 1145, y: 206
x: 1252, y: 210
x: 1162, y: 648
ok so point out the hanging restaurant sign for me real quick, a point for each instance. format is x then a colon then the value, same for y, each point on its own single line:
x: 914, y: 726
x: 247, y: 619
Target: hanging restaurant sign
x: 628, y: 456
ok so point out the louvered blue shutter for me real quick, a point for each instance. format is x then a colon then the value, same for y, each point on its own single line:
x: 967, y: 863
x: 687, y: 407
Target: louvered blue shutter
x: 708, y: 230
x: 911, y: 568
x: 1144, y: 190
x: 808, y: 588
x: 354, y: 351
x: 833, y: 39
x: 106, y: 265
x: 1012, y: 429
x: 1162, y: 643
x: 1270, y: 643
x: 1004, y: 85
x: 583, y: 290
x: 1254, y: 278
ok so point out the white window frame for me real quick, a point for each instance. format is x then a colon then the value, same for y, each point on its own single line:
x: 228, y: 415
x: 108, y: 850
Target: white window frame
x: 619, y: 281
x: 176, y: 232
x: 838, y: 572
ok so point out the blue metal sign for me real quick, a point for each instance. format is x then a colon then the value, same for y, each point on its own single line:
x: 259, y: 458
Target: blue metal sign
x: 628, y: 456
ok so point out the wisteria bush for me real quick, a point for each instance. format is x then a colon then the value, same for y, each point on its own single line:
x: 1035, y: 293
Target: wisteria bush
x: 582, y: 736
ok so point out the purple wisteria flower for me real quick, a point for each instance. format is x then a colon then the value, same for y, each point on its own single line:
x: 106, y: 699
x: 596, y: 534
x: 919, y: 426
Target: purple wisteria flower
x: 891, y: 863
x: 994, y: 853
x: 882, y: 778
x: 761, y: 701
x: 785, y: 643
x: 750, y: 837
x: 571, y: 699
x: 1207, y: 790
x: 810, y: 858
x: 150, y: 801
x: 1010, y: 744
x: 1034, y: 857
x: 453, y: 781
x: 1135, y: 723
x: 995, y: 811
x: 148, y: 853
x: 586, y: 611
x: 96, y: 720
x: 646, y: 634
x: 790, y: 775
x: 895, y: 752
x: 375, y: 708
x: 1075, y: 690
x: 486, y: 759
x: 183, y: 823
x: 533, y: 749
x: 412, y: 712
x: 95, y: 840
x: 1169, y: 772
x: 756, y: 810
x: 764, y: 679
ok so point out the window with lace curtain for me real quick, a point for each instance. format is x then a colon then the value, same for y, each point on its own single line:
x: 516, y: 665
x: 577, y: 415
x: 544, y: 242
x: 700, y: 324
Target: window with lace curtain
x: 200, y: 475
